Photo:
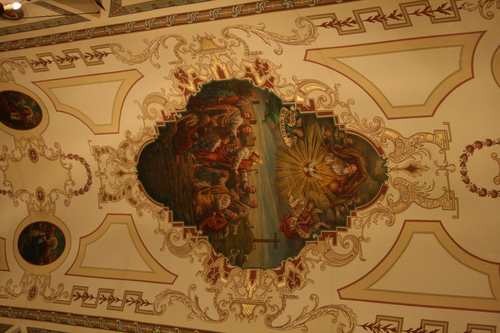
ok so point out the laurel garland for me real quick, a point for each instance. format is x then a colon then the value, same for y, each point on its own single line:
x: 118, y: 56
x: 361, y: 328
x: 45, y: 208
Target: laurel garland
x: 464, y: 158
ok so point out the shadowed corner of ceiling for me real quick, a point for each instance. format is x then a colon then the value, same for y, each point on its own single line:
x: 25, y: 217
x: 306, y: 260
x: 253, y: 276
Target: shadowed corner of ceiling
x: 15, y: 5
x: 99, y: 3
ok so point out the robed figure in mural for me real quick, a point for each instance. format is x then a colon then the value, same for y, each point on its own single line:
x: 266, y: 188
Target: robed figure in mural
x: 348, y: 170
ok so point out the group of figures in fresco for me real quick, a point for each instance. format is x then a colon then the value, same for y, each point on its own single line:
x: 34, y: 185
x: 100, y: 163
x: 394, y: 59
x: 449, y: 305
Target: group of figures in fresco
x: 215, y: 132
x: 254, y: 174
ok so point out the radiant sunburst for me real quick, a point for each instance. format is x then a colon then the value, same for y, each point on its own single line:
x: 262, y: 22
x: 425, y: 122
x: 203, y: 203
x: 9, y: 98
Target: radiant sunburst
x: 301, y: 170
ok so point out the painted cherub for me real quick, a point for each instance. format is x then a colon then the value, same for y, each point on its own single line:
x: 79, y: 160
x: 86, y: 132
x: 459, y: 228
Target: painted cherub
x: 301, y: 222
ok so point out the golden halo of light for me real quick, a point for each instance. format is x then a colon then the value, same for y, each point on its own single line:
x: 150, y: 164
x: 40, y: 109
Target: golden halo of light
x: 292, y: 179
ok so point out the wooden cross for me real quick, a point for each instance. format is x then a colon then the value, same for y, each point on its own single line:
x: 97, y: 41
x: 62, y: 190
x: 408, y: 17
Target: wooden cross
x: 274, y: 240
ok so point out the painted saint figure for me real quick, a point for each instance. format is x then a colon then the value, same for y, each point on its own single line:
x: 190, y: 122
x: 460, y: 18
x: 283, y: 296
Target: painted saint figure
x: 348, y: 170
x: 207, y: 199
x: 19, y: 111
x: 38, y: 243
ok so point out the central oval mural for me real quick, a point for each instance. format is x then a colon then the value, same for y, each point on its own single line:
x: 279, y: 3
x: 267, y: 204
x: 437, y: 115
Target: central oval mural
x: 256, y: 175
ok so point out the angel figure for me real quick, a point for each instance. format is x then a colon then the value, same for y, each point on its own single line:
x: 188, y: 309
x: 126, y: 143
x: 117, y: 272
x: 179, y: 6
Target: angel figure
x: 301, y: 222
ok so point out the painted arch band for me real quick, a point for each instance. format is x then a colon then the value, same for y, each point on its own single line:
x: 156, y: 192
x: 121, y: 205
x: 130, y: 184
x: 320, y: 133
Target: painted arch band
x: 256, y: 175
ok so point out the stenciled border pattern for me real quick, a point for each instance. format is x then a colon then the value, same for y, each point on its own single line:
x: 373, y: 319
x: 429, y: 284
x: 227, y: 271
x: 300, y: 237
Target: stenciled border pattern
x: 68, y: 60
x: 160, y: 22
x: 73, y: 320
x: 391, y: 324
x: 117, y: 8
x: 106, y: 297
x: 445, y: 12
x: 402, y: 18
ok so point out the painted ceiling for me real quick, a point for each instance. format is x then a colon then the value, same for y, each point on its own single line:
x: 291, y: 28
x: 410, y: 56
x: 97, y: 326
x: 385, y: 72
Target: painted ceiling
x: 57, y: 13
x: 233, y: 166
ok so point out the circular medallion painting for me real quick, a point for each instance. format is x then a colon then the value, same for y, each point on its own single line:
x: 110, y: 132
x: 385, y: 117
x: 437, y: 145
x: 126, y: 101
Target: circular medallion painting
x: 255, y: 175
x: 41, y: 243
x: 13, y: 14
x: 19, y: 111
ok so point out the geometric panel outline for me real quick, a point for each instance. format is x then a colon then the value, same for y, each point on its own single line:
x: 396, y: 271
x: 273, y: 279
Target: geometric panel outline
x: 432, y: 278
x: 477, y: 328
x: 112, y: 258
x: 495, y: 66
x: 460, y: 47
x: 3, y: 256
x: 362, y: 289
x: 65, y: 321
x: 433, y: 325
x: 100, y: 118
x: 146, y: 267
x: 395, y: 324
x: 396, y: 73
x: 98, y: 113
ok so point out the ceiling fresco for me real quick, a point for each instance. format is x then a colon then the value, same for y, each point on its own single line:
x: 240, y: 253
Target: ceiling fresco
x: 209, y: 166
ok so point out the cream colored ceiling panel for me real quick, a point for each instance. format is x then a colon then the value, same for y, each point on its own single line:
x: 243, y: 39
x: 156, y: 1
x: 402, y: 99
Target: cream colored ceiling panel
x: 433, y: 276
x: 417, y: 75
x: 418, y: 71
x: 434, y: 280
x: 99, y: 254
x: 78, y: 97
x: 73, y: 95
x: 96, y: 260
